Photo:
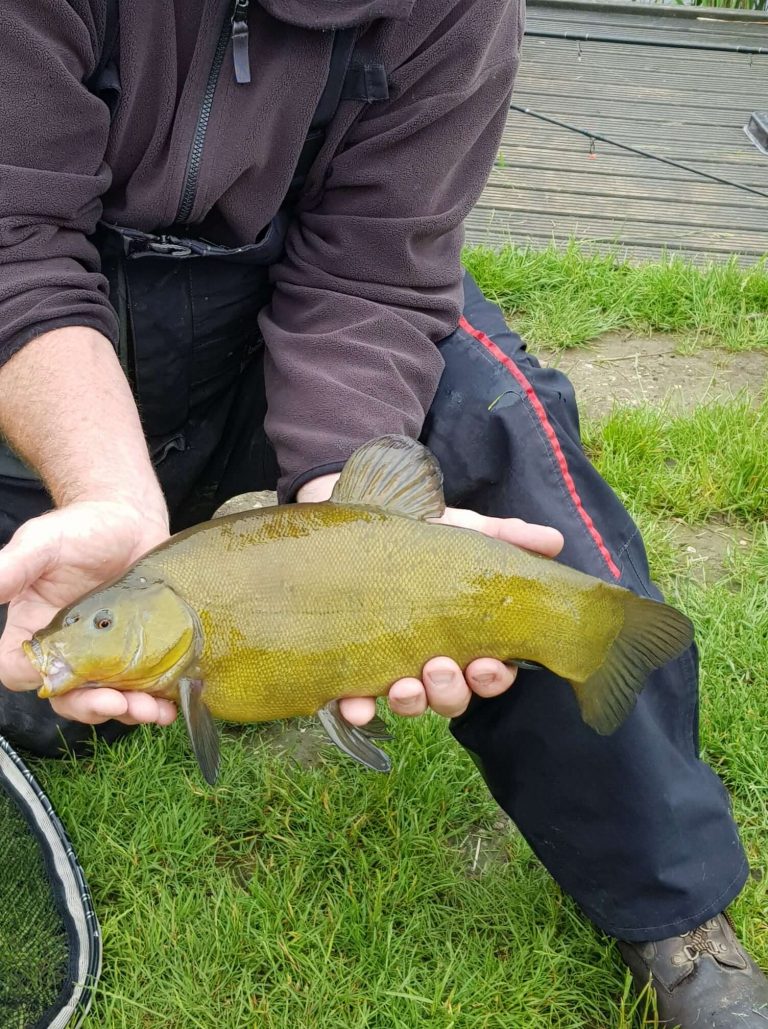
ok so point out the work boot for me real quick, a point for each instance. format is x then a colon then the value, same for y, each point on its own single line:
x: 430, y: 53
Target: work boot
x: 703, y: 979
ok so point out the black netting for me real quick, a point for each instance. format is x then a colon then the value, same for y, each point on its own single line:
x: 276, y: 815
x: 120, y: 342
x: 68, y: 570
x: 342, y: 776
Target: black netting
x: 34, y: 947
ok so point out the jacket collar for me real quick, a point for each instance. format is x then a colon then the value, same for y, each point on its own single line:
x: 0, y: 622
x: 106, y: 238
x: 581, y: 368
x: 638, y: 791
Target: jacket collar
x: 336, y: 14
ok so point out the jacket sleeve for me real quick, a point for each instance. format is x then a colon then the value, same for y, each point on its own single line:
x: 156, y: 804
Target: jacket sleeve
x: 371, y: 278
x: 53, y: 136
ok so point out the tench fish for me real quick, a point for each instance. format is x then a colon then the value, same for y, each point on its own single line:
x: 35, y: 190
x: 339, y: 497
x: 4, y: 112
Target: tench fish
x: 276, y: 611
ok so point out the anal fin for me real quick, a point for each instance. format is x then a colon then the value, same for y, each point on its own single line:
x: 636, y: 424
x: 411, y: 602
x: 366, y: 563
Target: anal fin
x: 517, y: 662
x: 352, y: 739
x: 201, y: 727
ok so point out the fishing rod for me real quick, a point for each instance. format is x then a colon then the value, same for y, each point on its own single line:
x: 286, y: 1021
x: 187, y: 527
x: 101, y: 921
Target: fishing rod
x: 596, y: 136
x: 588, y: 37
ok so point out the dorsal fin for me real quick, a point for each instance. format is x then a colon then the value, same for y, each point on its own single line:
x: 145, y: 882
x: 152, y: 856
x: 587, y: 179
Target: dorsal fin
x: 396, y: 474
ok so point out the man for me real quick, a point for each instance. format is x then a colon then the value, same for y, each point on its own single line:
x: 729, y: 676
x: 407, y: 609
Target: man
x: 274, y: 192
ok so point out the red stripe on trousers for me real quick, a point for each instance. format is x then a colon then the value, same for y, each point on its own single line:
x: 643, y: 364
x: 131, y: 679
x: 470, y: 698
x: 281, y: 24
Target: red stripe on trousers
x: 554, y: 442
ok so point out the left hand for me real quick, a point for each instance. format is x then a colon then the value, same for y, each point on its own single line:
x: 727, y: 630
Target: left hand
x: 444, y: 687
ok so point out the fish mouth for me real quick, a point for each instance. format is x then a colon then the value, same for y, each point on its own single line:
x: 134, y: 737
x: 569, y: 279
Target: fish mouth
x: 58, y: 675
x: 34, y: 653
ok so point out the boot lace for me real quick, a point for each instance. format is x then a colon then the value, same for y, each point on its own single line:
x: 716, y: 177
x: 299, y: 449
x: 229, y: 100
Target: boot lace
x: 699, y: 942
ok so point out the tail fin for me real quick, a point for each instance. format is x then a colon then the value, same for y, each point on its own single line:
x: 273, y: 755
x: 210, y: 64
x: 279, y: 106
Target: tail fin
x: 652, y: 634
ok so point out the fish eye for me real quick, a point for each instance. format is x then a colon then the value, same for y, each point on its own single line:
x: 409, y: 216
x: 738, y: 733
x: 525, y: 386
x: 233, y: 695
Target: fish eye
x: 72, y: 618
x: 103, y: 620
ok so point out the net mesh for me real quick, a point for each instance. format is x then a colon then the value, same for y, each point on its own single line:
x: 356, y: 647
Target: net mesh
x: 34, y: 948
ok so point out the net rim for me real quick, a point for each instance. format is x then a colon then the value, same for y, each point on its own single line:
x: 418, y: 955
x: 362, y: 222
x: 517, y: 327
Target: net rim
x: 70, y: 890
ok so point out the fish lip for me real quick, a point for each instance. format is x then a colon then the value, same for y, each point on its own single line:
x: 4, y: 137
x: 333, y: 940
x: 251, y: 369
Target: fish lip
x: 57, y: 674
x: 34, y: 653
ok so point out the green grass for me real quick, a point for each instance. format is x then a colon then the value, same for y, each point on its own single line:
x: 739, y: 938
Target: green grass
x: 323, y: 896
x: 743, y: 5
x: 709, y: 464
x: 563, y: 298
x: 327, y: 897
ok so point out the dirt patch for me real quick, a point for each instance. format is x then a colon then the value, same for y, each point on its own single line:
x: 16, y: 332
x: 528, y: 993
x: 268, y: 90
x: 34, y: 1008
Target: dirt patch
x: 704, y: 550
x: 488, y: 847
x: 625, y: 370
x: 300, y: 740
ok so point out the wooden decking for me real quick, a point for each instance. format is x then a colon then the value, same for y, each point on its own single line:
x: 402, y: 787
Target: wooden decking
x: 677, y: 88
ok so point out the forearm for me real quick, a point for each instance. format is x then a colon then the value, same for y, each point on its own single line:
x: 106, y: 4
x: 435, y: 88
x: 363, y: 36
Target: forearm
x: 371, y: 279
x: 67, y: 409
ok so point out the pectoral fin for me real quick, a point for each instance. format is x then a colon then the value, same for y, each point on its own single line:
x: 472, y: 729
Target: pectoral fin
x: 376, y: 729
x: 353, y: 739
x: 201, y: 728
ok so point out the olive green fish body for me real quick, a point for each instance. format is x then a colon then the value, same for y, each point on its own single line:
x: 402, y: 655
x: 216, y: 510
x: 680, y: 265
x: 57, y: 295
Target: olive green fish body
x: 305, y: 603
x: 280, y: 610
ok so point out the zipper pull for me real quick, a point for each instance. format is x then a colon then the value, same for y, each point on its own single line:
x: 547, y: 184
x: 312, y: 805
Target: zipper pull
x: 240, y: 41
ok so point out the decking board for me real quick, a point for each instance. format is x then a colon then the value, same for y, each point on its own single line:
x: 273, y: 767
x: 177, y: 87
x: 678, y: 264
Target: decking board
x: 684, y: 104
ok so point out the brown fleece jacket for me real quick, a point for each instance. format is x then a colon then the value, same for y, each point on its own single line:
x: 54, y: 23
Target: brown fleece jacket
x: 370, y: 278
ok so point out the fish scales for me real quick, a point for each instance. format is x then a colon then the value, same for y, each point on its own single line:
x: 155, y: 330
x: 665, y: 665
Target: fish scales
x: 309, y: 602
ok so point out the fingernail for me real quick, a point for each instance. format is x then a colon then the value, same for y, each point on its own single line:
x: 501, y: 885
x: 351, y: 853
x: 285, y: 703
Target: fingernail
x: 409, y: 701
x: 483, y: 680
x: 441, y: 678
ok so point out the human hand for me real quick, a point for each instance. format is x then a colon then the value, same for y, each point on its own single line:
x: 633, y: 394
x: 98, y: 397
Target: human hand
x: 444, y: 687
x: 50, y: 562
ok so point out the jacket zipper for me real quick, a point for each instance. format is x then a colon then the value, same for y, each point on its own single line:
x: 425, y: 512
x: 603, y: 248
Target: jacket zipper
x: 240, y: 42
x: 236, y: 27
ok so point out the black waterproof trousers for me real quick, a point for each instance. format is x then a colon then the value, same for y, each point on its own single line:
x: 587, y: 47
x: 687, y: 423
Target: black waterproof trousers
x: 634, y: 826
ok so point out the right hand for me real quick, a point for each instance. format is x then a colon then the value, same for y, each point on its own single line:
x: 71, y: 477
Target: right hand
x: 50, y: 562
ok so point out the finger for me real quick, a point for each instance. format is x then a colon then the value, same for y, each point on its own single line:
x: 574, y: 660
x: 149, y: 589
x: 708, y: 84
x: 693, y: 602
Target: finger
x: 100, y: 704
x: 447, y: 691
x: 15, y: 670
x: 166, y: 713
x: 317, y: 490
x: 542, y: 539
x: 143, y: 708
x: 91, y: 706
x: 488, y: 678
x: 357, y: 710
x: 408, y: 698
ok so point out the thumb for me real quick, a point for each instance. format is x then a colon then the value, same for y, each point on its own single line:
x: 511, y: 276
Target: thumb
x: 16, y: 672
x: 23, y: 560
